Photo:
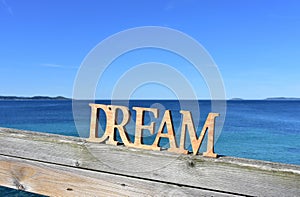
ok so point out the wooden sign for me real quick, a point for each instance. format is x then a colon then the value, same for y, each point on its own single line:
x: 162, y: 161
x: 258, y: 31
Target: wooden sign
x: 187, y: 126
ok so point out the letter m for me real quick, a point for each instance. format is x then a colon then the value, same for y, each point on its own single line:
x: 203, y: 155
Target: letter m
x: 209, y: 125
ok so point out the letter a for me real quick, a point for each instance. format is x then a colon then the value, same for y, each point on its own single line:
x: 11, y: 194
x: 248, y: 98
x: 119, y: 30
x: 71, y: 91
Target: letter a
x: 167, y: 120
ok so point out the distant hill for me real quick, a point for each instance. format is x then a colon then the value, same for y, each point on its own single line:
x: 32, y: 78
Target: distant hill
x: 281, y: 98
x: 237, y: 99
x: 269, y: 99
x: 33, y: 98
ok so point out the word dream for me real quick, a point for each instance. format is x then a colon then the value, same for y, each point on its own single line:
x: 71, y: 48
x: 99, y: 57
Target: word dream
x: 111, y: 112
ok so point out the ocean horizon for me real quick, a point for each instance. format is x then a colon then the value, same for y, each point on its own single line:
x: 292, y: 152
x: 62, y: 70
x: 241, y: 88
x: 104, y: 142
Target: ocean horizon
x: 255, y: 129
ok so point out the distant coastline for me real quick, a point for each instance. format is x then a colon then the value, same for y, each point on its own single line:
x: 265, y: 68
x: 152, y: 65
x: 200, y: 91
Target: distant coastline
x: 281, y: 98
x: 33, y: 98
x: 269, y: 99
x: 65, y: 98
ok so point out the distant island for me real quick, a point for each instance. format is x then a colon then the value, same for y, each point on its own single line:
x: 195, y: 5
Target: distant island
x: 236, y: 99
x: 269, y: 99
x: 33, y: 98
x: 281, y: 98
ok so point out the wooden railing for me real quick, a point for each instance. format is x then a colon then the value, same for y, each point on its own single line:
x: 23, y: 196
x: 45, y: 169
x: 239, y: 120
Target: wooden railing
x: 58, y: 165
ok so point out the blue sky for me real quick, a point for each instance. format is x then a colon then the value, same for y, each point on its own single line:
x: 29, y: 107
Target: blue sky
x: 255, y: 43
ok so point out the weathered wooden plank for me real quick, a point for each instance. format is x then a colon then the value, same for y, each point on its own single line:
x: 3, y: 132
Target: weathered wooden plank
x: 226, y: 174
x: 55, y: 180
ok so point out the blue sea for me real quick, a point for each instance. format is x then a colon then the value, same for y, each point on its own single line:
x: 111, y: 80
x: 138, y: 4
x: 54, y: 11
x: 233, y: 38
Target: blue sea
x: 263, y: 129
x: 257, y: 129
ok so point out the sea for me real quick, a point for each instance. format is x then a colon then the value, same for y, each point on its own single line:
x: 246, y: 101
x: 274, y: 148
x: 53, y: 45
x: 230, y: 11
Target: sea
x: 266, y: 130
x: 256, y: 129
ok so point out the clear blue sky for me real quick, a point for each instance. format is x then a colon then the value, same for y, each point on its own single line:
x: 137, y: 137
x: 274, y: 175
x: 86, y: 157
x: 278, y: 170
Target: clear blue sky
x: 255, y: 43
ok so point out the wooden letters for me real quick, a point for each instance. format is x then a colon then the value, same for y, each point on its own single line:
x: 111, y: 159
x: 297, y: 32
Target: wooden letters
x: 111, y: 112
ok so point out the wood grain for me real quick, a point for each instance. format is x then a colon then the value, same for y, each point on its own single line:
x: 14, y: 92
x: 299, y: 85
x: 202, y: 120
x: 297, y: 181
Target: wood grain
x: 223, y: 175
x: 55, y: 180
